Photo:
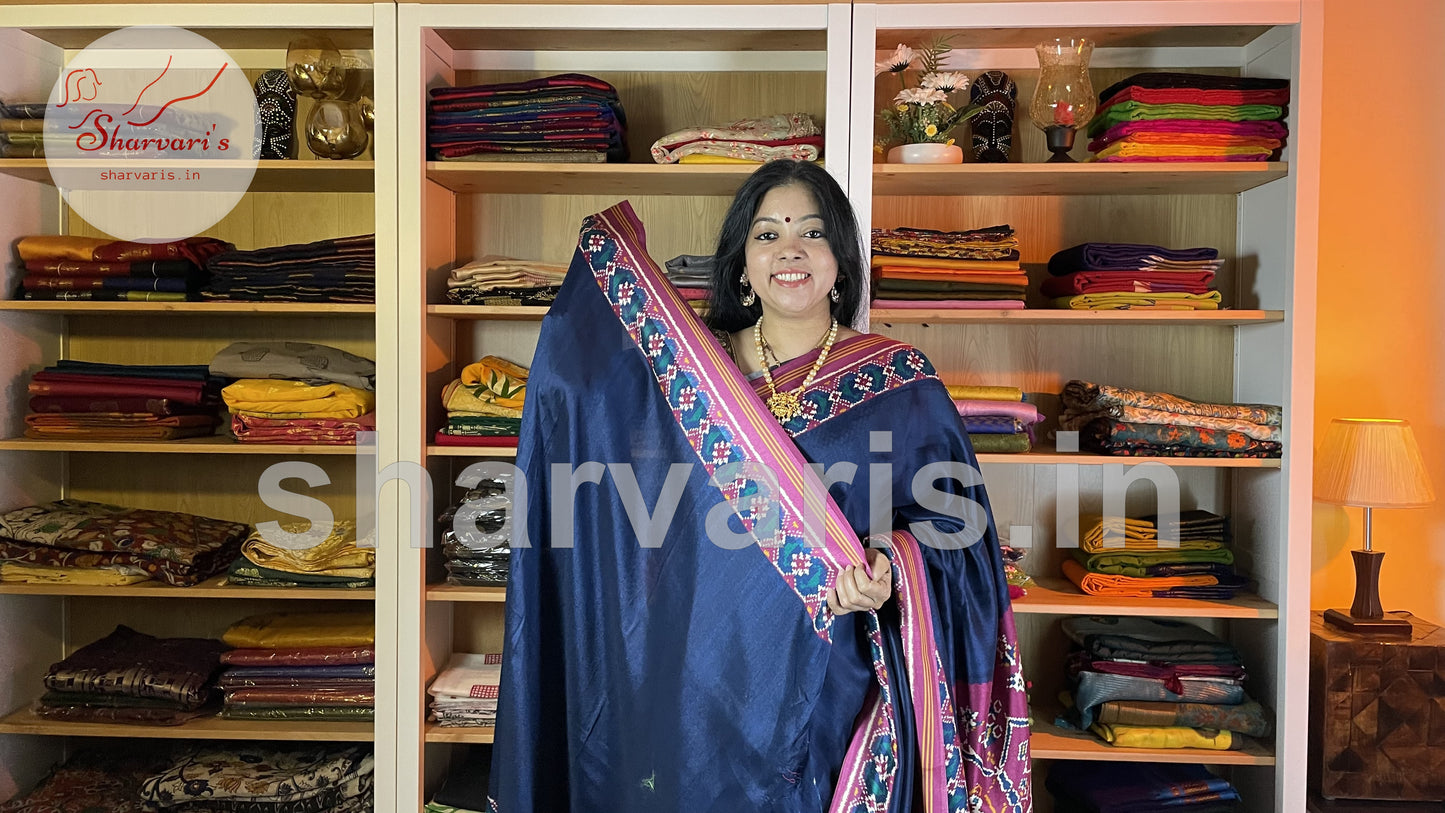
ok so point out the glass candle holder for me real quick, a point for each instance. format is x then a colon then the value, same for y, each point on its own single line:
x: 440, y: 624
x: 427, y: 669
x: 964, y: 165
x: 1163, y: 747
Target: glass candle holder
x: 1064, y: 99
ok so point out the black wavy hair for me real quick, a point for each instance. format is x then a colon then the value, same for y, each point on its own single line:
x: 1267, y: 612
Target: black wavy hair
x: 840, y: 228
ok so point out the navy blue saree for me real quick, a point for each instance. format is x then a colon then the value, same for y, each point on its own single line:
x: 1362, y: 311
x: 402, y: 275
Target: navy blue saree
x: 668, y: 642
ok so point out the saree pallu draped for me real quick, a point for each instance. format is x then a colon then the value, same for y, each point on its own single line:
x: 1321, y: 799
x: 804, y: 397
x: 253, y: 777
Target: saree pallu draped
x: 694, y: 665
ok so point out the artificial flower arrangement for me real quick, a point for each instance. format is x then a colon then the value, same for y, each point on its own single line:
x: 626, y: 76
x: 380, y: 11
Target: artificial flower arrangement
x: 924, y: 114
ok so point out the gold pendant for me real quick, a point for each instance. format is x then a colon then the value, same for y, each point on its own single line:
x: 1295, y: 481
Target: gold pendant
x: 785, y: 405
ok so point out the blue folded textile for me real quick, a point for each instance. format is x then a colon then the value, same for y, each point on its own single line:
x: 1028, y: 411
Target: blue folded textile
x: 1137, y: 787
x: 1120, y: 257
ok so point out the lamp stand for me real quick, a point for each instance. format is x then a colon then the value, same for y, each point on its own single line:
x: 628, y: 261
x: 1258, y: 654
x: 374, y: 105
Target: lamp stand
x: 1366, y: 617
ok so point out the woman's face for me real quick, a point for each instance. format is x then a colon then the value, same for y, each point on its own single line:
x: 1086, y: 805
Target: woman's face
x: 789, y: 261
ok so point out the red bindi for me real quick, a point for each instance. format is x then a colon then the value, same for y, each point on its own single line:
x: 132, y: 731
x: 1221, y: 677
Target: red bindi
x: 787, y: 220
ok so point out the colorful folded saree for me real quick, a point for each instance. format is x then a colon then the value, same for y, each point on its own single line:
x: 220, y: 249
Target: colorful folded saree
x: 654, y: 677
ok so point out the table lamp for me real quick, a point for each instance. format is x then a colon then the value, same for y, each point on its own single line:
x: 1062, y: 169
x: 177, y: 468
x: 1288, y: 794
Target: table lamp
x: 1373, y: 463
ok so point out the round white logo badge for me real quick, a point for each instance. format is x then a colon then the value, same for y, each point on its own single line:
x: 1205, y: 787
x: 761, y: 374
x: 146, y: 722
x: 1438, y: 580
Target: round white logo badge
x: 151, y: 134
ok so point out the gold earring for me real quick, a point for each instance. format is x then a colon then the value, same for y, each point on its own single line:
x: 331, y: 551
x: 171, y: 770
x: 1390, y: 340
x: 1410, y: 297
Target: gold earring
x: 749, y: 296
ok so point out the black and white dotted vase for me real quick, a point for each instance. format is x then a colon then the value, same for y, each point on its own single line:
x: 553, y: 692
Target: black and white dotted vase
x: 992, y: 129
x: 276, y: 106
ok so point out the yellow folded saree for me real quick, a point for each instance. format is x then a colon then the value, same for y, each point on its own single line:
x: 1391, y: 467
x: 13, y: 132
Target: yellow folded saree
x: 981, y: 392
x: 335, y: 554
x: 286, y: 398
x: 1127, y: 533
x: 26, y: 573
x: 1138, y: 736
x: 492, y: 386
x: 285, y: 630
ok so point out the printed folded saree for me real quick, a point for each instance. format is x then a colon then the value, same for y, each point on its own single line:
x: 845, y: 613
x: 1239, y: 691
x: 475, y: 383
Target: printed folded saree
x: 652, y: 670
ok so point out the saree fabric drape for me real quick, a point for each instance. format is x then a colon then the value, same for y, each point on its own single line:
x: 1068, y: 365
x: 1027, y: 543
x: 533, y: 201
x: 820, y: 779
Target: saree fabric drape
x: 693, y: 664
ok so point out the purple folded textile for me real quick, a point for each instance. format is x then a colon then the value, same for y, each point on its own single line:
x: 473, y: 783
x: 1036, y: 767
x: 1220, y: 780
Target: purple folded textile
x: 1119, y: 257
x: 1246, y: 129
x: 991, y: 425
x: 314, y: 672
x: 1021, y: 411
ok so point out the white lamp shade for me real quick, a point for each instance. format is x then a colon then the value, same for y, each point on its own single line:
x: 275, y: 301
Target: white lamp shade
x: 1372, y: 462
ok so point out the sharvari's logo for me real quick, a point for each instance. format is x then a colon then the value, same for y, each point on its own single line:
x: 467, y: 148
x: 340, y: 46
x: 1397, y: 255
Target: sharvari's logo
x: 151, y: 134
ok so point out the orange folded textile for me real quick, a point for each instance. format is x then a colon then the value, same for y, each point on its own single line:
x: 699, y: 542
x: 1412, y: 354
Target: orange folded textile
x: 1203, y: 140
x: 902, y: 272
x: 1103, y: 584
x: 880, y: 260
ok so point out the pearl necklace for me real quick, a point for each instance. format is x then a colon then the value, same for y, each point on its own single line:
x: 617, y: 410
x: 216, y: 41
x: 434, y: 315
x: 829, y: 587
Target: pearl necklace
x: 788, y: 404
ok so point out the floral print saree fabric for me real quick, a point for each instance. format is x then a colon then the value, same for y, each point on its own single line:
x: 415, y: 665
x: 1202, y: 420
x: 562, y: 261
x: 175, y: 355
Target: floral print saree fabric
x: 179, y: 549
x: 233, y: 776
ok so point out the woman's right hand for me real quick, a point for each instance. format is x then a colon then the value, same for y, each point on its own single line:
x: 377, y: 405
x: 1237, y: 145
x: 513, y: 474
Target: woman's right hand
x: 854, y: 591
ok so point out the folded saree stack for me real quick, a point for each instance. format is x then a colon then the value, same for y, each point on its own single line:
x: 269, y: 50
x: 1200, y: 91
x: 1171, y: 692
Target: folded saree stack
x: 484, y: 405
x: 465, y: 693
x: 80, y: 542
x: 1155, y: 683
x: 1126, y: 557
x: 342, y: 269
x: 1122, y: 421
x: 1081, y: 786
x: 300, y: 666
x: 569, y: 117
x: 747, y: 141
x: 476, y: 550
x: 494, y: 280
x: 310, y: 558
x: 997, y: 419
x: 924, y: 268
x: 22, y: 130
x: 61, y: 267
x: 131, y: 677
x: 82, y: 400
x: 691, y: 274
x: 297, y: 392
x: 1134, y: 276
x: 265, y: 778
x: 1190, y: 117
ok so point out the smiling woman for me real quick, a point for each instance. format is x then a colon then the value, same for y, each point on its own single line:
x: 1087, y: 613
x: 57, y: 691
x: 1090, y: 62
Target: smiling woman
x: 841, y: 651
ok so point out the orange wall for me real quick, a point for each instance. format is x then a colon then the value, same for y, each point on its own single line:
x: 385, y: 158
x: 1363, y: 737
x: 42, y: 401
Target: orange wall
x: 1381, y: 330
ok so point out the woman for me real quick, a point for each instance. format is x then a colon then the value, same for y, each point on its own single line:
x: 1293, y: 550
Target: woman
x: 697, y: 624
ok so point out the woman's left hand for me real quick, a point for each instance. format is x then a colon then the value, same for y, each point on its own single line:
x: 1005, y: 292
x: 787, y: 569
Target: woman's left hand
x: 854, y: 591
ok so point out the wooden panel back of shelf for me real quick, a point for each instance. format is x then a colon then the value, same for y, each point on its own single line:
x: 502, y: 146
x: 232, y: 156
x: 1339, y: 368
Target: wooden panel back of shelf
x: 262, y: 219
x: 1139, y: 36
x: 26, y: 721
x: 91, y: 618
x: 196, y: 341
x: 1017, y: 179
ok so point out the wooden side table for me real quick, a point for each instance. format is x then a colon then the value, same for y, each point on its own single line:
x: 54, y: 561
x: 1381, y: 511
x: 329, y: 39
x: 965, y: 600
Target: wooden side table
x: 1377, y: 713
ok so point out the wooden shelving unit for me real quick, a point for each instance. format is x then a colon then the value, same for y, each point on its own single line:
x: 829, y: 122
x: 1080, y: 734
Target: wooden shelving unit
x: 1048, y: 741
x: 1057, y: 596
x: 26, y: 722
x: 455, y: 592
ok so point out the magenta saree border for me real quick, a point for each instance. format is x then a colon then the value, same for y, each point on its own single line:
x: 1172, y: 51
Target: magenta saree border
x: 723, y: 420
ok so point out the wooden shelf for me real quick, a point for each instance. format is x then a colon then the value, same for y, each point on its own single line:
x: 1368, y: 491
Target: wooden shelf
x: 650, y: 40
x: 1073, y: 179
x: 214, y: 587
x: 206, y: 728
x: 468, y: 734
x: 433, y: 450
x: 457, y: 592
x: 81, y: 308
x: 214, y: 444
x: 1048, y: 741
x: 270, y: 176
x: 1140, y: 36
x: 1047, y: 457
x: 616, y: 180
x: 1061, y: 597
x: 258, y: 37
x: 499, y: 313
x: 1224, y: 318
